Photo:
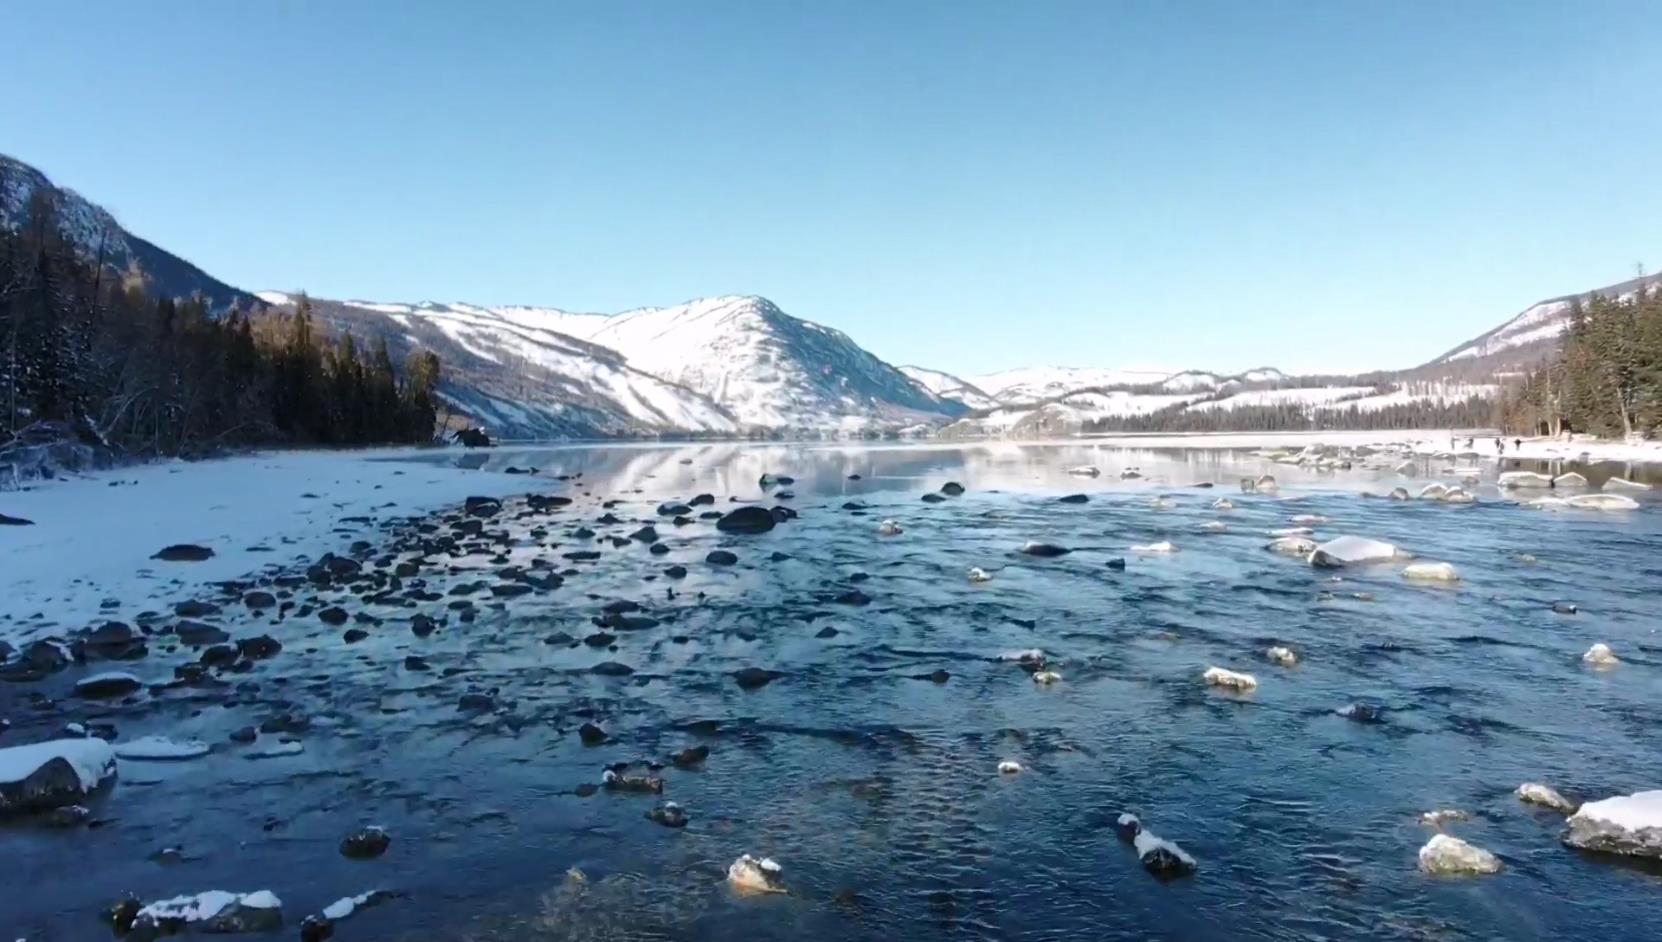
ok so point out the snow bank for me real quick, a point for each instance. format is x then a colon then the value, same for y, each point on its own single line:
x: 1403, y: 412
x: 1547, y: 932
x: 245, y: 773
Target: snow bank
x: 1627, y: 824
x: 93, y: 540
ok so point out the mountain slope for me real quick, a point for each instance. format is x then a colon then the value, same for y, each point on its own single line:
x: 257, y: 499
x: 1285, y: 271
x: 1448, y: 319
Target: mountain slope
x: 94, y: 233
x: 525, y: 381
x: 1526, y: 339
x: 947, y: 386
x: 733, y: 365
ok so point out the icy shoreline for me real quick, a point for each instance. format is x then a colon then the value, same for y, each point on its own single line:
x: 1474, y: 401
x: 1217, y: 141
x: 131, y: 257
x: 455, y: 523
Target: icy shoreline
x: 1419, y: 441
x: 92, y: 537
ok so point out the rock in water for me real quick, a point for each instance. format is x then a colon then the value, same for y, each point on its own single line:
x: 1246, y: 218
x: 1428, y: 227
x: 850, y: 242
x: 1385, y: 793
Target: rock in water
x: 365, y: 844
x: 1292, y: 546
x: 750, y: 519
x: 1009, y: 767
x: 53, y: 774
x: 1162, y: 548
x: 6, y: 521
x: 1431, y: 572
x: 1085, y: 471
x: 184, y: 553
x: 889, y: 528
x: 1282, y: 655
x: 1232, y: 680
x: 952, y: 489
x: 751, y: 678
x: 1600, y: 655
x: 669, y: 814
x: 1350, y: 551
x: 1162, y: 857
x: 1534, y: 793
x: 1445, y: 854
x: 1626, y: 824
x: 1046, y: 678
x: 214, y: 911
x: 107, y: 686
x: 720, y: 558
x: 1570, y: 479
x: 756, y: 875
x: 591, y: 735
x: 1516, y: 479
x: 1074, y: 499
x: 1044, y: 550
x: 977, y: 574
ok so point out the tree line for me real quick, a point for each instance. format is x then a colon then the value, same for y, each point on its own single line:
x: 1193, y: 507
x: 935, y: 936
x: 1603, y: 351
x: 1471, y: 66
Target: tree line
x: 1605, y: 378
x: 1475, y: 411
x: 85, y: 351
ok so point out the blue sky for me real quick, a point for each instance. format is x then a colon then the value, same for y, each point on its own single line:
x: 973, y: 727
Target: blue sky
x: 970, y: 186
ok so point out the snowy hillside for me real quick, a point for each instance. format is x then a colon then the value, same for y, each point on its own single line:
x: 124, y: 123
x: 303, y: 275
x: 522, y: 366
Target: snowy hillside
x: 1033, y: 384
x: 947, y: 386
x: 95, y: 234
x: 732, y: 365
x: 1527, y: 338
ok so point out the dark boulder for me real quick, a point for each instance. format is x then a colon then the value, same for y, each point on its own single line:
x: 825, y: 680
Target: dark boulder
x: 259, y: 647
x: 611, y: 669
x: 751, y: 678
x: 933, y: 498
x: 107, y: 686
x: 1045, y: 550
x: 197, y: 634
x: 748, y: 519
x: 365, y: 844
x: 591, y: 735
x: 334, y: 615
x: 673, y: 509
x: 6, y: 521
x: 184, y: 553
x: 669, y: 814
x: 720, y: 558
x: 260, y: 600
x: 1074, y: 499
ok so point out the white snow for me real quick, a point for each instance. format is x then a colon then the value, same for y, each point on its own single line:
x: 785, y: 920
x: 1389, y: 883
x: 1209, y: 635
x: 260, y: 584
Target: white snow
x: 92, y: 541
x: 1282, y: 655
x: 347, y: 905
x: 948, y: 386
x: 161, y: 749
x: 1602, y: 502
x: 207, y: 905
x: 1030, y: 384
x: 1523, y: 479
x: 92, y: 759
x: 1046, y: 678
x: 1161, y: 548
x: 1009, y: 767
x: 1600, y: 655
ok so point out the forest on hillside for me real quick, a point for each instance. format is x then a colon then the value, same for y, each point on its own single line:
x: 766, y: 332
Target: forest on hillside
x: 91, y: 364
x: 1606, y: 377
x: 1472, y: 412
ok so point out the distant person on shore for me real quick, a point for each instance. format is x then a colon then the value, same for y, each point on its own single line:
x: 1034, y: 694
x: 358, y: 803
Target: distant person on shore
x: 1500, y: 446
x: 1517, y: 444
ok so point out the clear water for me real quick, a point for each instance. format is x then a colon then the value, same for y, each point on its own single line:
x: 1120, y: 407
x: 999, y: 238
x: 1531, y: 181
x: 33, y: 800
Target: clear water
x: 878, y: 790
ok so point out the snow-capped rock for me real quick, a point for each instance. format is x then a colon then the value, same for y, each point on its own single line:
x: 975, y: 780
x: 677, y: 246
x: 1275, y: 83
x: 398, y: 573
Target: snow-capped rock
x: 214, y: 911
x: 1442, y: 816
x: 1046, y: 678
x: 1623, y: 484
x: 1009, y: 767
x: 1626, y: 824
x: 889, y: 528
x: 1534, y: 793
x: 1351, y: 551
x: 1600, y: 655
x: 1162, y: 548
x: 52, y: 774
x: 1282, y: 655
x: 977, y: 574
x: 1516, y: 479
x: 1601, y: 502
x: 756, y: 875
x: 1444, y: 854
x: 1232, y: 680
x: 1570, y: 479
x: 1292, y: 546
x: 1431, y: 572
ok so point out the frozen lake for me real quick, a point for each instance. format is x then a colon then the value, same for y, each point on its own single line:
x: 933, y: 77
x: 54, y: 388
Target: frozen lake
x: 867, y: 773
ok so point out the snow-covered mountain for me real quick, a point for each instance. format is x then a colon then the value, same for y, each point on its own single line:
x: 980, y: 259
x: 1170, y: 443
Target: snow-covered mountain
x: 26, y: 192
x: 947, y: 386
x: 1527, y: 338
x: 1040, y: 383
x: 729, y: 365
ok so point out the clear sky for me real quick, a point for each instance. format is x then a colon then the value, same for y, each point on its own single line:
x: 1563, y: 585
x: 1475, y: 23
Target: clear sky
x: 1330, y: 184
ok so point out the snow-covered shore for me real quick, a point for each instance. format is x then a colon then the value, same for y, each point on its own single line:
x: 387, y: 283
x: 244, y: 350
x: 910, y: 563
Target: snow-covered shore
x: 1419, y: 441
x: 92, y: 536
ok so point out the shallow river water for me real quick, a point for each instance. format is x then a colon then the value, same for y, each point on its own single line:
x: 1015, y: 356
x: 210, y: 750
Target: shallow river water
x: 875, y: 785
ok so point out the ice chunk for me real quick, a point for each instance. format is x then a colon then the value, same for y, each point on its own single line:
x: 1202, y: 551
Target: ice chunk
x: 1431, y: 572
x: 1433, y: 492
x: 1308, y: 520
x: 889, y: 528
x: 1223, y: 503
x: 1085, y: 471
x: 1350, y: 551
x: 1602, y: 502
x: 1445, y: 854
x: 161, y: 749
x: 1214, y: 526
x: 756, y: 875
x: 1009, y: 767
x: 1232, y: 680
x: 977, y: 574
x: 1626, y: 824
x: 1535, y: 793
x: 1570, y: 479
x: 1161, y: 548
x: 1046, y: 678
x: 1442, y: 816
